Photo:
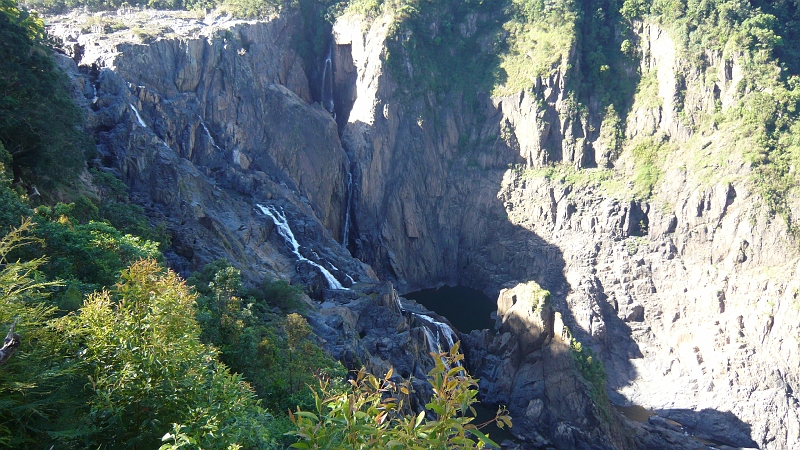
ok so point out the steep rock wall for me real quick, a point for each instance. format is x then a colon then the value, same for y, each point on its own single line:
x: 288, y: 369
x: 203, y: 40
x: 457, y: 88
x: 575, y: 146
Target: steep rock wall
x: 231, y: 98
x: 426, y: 207
x: 695, y: 287
x: 226, y: 151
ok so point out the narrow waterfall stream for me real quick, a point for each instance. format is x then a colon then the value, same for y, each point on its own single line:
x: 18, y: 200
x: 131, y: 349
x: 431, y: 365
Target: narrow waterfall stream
x: 138, y: 117
x: 348, y: 206
x: 208, y: 133
x: 326, y: 90
x: 282, y: 225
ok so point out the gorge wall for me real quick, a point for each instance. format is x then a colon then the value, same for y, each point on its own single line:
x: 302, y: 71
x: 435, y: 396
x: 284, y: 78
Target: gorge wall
x: 689, y: 298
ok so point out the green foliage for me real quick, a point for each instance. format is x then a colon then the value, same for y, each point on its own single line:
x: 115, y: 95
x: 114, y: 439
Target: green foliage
x: 647, y: 95
x: 432, y: 50
x: 366, y: 8
x: 277, y: 354
x: 83, y: 251
x: 373, y: 414
x: 540, y: 38
x: 92, y: 254
x: 633, y: 243
x: 632, y: 9
x: 40, y: 386
x: 116, y: 208
x: 592, y: 370
x: 250, y: 8
x: 149, y: 369
x: 701, y: 25
x: 12, y: 207
x: 138, y: 346
x: 647, y: 156
x: 43, y: 145
x: 772, y: 120
x: 608, y: 72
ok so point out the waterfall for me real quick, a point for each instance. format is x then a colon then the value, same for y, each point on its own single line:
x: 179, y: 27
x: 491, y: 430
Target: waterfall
x: 94, y: 97
x: 138, y: 117
x: 208, y: 133
x: 433, y: 342
x: 282, y: 224
x: 327, y: 82
x: 442, y: 329
x: 346, y: 231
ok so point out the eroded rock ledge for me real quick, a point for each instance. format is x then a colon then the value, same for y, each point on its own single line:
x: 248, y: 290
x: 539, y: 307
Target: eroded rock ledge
x: 689, y: 299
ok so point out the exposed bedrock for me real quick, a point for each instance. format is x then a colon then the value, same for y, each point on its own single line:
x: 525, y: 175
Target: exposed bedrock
x: 265, y: 192
x: 690, y: 299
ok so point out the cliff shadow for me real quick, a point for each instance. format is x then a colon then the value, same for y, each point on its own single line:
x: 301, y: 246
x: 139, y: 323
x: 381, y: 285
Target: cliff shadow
x: 709, y: 426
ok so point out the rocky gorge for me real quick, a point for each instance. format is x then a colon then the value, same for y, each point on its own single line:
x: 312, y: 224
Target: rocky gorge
x: 689, y: 297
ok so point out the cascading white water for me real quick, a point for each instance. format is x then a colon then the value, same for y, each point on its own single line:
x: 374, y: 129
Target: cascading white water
x: 282, y: 224
x: 433, y: 342
x: 442, y: 328
x: 346, y: 232
x: 327, y: 82
x: 138, y: 117
x: 208, y: 133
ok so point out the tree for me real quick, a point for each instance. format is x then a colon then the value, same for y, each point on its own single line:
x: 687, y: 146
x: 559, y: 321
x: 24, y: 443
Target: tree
x: 40, y: 126
x: 150, y: 371
x: 40, y: 386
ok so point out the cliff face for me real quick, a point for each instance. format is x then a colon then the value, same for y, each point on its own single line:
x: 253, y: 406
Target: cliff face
x: 689, y: 298
x: 213, y: 129
x: 217, y: 100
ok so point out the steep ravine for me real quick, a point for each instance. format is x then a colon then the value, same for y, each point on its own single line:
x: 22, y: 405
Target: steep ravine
x: 689, y: 298
x: 213, y: 129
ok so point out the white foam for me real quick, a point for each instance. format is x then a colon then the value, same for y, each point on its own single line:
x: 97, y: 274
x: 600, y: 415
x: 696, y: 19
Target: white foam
x: 285, y: 231
x: 138, y: 117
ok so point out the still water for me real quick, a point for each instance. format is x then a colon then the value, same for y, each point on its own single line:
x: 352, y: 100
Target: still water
x: 467, y: 309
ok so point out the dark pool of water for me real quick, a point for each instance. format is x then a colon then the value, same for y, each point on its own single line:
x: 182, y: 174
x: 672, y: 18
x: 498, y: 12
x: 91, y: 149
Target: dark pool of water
x: 497, y: 434
x: 467, y: 309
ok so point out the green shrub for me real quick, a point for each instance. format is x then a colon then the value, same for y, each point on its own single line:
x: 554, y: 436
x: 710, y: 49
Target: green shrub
x: 648, y: 156
x: 41, y: 384
x: 374, y: 413
x: 149, y: 369
x: 277, y: 354
x: 592, y: 370
x: 44, y: 146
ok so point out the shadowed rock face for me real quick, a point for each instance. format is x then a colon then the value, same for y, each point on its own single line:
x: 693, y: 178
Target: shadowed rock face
x: 689, y: 299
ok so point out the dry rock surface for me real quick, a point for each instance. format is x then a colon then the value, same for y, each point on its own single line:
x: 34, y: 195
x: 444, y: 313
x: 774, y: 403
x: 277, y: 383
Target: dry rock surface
x: 690, y: 299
